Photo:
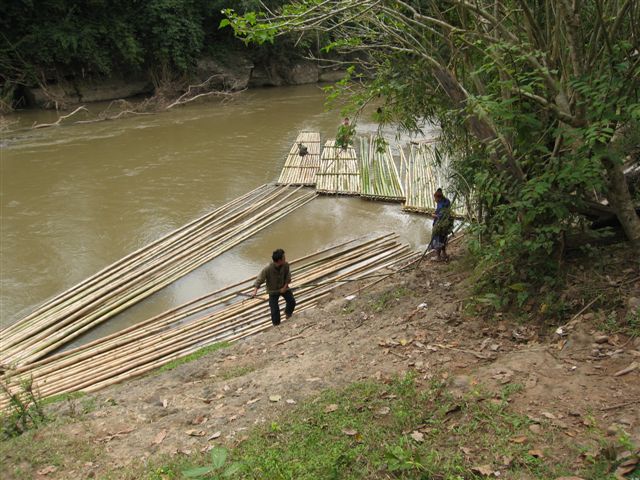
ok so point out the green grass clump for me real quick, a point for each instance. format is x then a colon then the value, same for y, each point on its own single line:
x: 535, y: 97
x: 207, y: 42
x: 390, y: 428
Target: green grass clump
x: 371, y: 430
x: 193, y: 356
x: 236, y: 372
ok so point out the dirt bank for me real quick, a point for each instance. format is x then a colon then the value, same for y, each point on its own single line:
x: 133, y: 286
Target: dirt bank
x: 570, y: 385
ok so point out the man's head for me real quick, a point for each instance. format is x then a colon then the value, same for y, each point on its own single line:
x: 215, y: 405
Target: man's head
x: 278, y: 256
x: 438, y: 195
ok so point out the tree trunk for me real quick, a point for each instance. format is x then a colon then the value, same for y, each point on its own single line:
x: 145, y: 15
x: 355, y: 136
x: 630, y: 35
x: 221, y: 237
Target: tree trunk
x: 479, y: 127
x: 620, y: 199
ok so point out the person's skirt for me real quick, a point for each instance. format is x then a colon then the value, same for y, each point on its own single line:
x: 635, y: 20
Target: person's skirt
x: 438, y: 242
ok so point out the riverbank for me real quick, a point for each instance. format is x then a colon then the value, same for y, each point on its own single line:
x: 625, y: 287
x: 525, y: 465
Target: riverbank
x: 406, y: 378
x: 229, y: 72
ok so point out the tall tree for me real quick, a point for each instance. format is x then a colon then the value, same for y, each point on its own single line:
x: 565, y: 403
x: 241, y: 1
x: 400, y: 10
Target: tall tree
x: 537, y: 98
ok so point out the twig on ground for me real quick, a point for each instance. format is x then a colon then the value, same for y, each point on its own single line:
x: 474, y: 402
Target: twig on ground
x: 470, y: 352
x: 620, y: 405
x: 287, y: 340
x: 575, y: 317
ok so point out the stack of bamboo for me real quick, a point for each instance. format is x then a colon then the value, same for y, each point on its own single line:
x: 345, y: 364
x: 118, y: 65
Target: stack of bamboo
x: 378, y: 173
x: 228, y: 315
x: 425, y: 173
x: 145, y: 271
x: 339, y: 170
x: 302, y: 169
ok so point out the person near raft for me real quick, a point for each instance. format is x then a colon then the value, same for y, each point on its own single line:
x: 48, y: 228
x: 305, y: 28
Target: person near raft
x: 442, y: 226
x: 277, y: 275
x: 345, y: 132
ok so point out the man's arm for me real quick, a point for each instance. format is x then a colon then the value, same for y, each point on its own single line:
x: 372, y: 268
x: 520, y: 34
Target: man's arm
x: 259, y: 280
x: 287, y: 279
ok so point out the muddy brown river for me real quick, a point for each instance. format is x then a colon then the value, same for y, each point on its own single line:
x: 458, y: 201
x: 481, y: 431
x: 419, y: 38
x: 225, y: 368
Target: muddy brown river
x: 75, y: 198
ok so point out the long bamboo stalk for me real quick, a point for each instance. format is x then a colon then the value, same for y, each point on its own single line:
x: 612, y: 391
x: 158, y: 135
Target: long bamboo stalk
x: 101, y: 301
x: 140, y: 349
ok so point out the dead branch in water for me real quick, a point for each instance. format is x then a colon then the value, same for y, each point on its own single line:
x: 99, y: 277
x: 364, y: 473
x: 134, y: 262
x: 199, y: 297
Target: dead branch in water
x: 189, y: 96
x: 56, y: 123
x: 157, y: 103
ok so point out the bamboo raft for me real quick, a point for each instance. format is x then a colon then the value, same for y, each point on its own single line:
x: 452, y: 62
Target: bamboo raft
x: 302, y: 169
x: 227, y: 315
x: 424, y: 174
x: 143, y: 272
x: 339, y: 171
x: 379, y: 175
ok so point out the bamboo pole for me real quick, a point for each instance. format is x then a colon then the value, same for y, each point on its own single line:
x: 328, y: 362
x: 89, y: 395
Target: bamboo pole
x: 141, y: 354
x: 184, y: 258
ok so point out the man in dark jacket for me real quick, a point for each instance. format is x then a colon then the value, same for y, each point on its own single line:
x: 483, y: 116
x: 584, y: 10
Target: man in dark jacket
x: 278, y: 276
x: 442, y: 226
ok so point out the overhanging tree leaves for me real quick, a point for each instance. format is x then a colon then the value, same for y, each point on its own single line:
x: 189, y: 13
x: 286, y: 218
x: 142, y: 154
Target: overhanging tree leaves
x: 535, y: 99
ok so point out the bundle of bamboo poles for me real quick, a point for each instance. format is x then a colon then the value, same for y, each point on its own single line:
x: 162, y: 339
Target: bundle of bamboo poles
x: 302, y: 169
x: 339, y: 170
x: 144, y: 272
x: 379, y: 175
x: 228, y: 314
x: 425, y: 173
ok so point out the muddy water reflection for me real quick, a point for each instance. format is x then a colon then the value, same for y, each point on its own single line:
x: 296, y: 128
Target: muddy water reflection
x: 76, y: 198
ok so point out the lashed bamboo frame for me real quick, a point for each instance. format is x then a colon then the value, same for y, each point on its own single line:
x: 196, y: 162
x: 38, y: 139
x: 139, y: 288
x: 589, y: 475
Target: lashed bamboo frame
x: 339, y: 170
x: 379, y: 175
x: 423, y: 176
x: 302, y: 170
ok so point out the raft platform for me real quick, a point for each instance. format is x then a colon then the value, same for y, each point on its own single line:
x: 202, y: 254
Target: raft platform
x: 424, y: 174
x: 379, y: 175
x: 302, y: 169
x: 339, y: 170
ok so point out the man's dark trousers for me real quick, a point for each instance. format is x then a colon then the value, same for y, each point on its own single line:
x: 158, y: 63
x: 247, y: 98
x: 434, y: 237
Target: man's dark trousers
x: 275, y: 308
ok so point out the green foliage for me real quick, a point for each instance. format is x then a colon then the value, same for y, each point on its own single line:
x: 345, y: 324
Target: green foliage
x: 533, y: 121
x: 218, y: 457
x: 25, y: 411
x: 401, y: 429
x: 236, y: 372
x: 173, y: 32
x: 56, y: 40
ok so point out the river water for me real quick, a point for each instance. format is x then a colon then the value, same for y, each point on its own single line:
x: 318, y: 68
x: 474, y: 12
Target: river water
x: 75, y: 198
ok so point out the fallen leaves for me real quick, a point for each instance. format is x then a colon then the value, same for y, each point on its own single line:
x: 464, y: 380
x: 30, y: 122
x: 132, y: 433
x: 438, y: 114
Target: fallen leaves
x: 349, y: 431
x: 160, y: 436
x: 629, y: 463
x: 275, y: 398
x: 199, y: 420
x: 520, y: 439
x: 417, y: 436
x: 536, y: 453
x: 331, y: 408
x: 383, y: 411
x: 196, y: 433
x: 47, y: 470
x: 485, y: 470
